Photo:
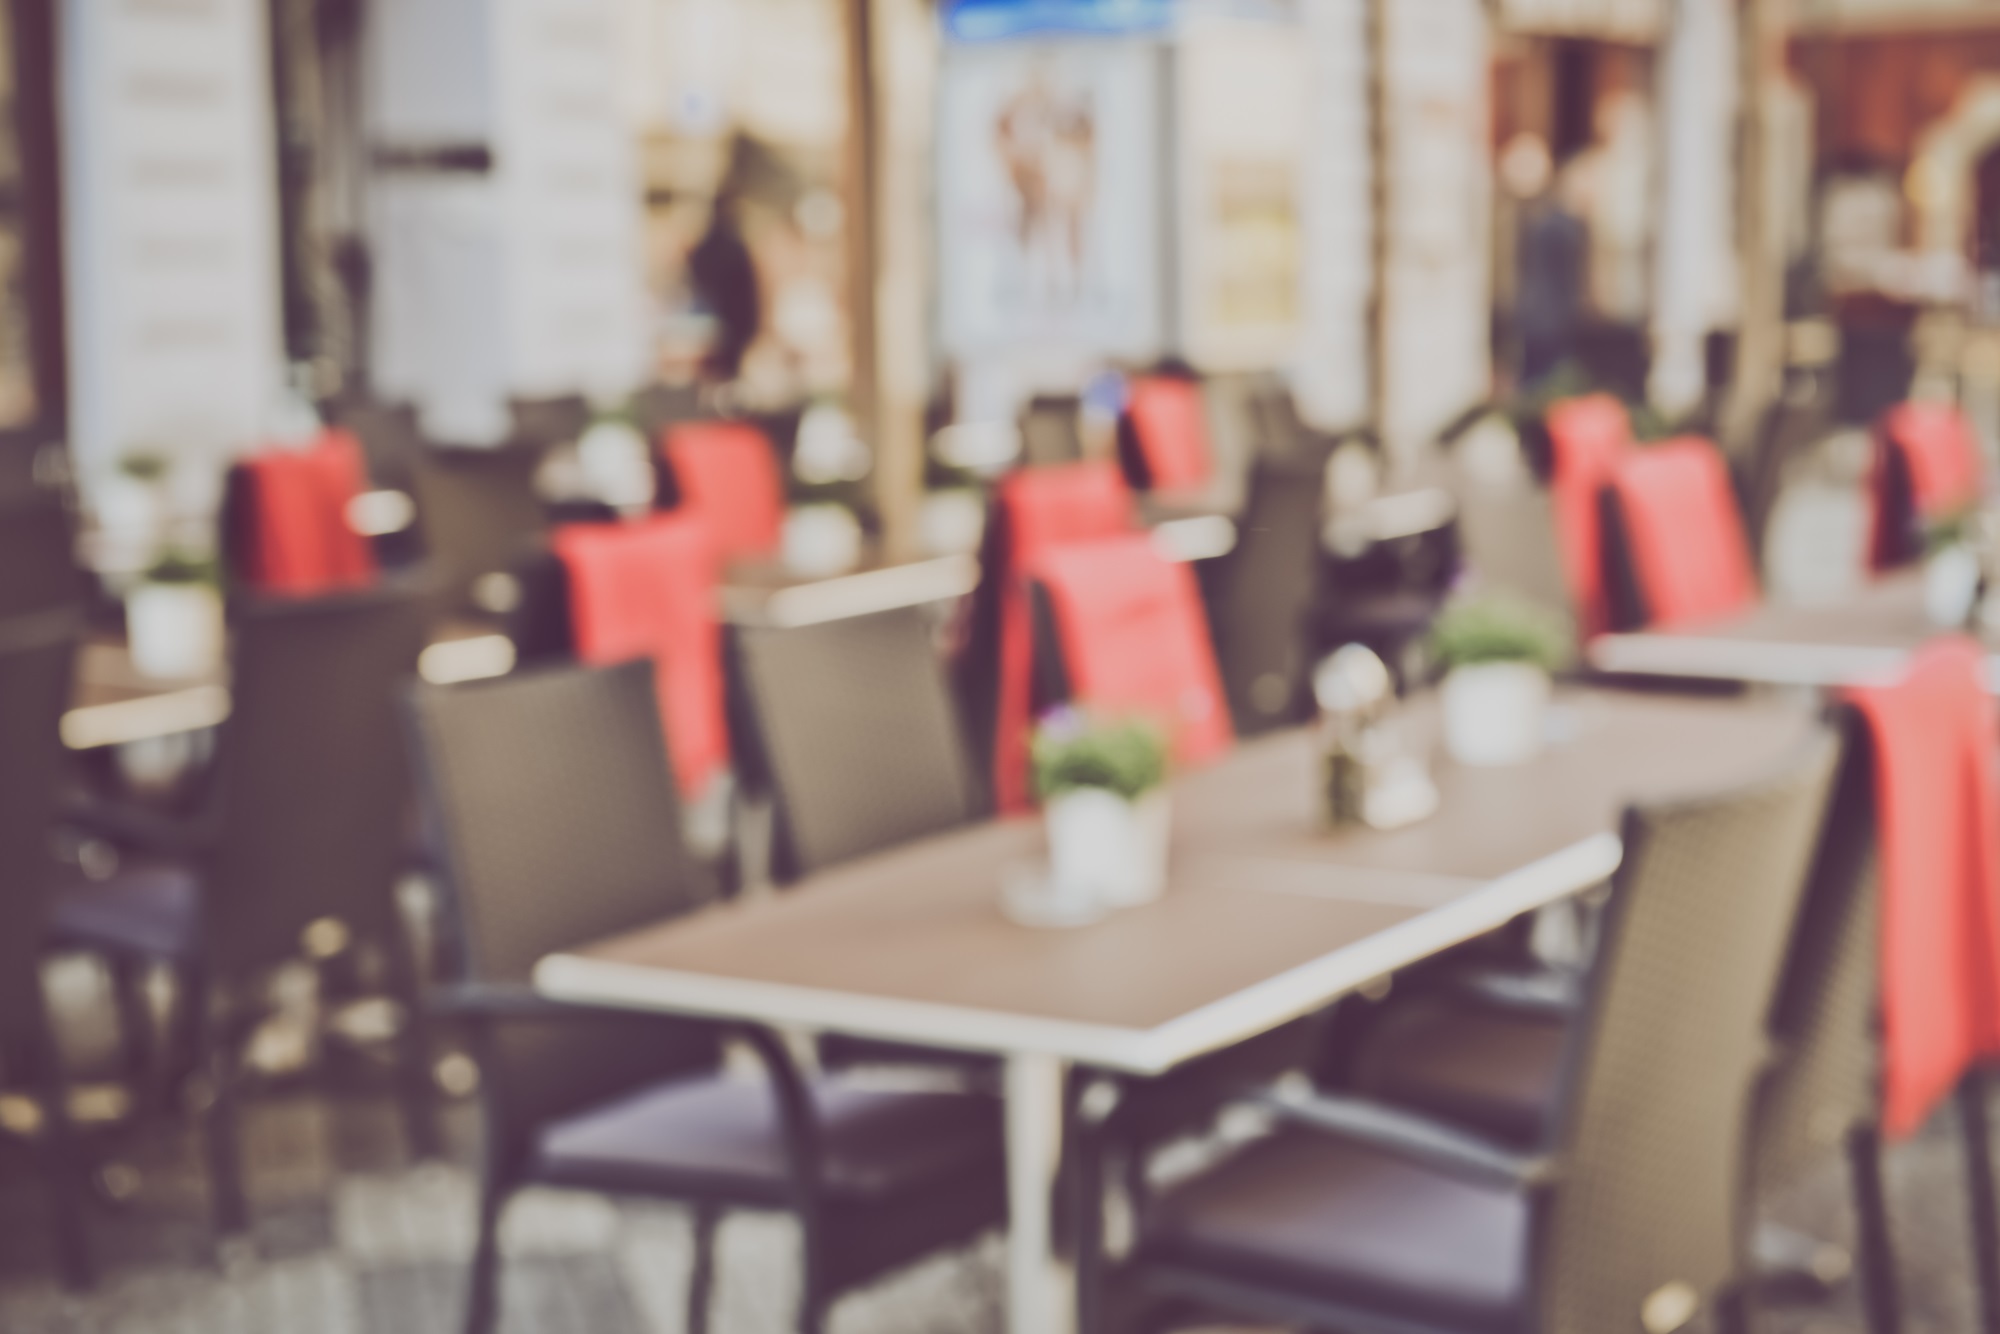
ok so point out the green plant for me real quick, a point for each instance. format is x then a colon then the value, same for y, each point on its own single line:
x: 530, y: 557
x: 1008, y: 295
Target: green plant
x: 145, y: 466
x: 181, y: 567
x: 1127, y: 756
x: 1499, y: 628
x: 1957, y: 528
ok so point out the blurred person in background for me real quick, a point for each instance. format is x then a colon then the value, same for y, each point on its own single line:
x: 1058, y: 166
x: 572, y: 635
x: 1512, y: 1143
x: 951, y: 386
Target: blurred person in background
x: 724, y: 274
x: 1552, y: 250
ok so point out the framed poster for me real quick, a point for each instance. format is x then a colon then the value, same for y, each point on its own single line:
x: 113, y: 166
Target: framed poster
x: 1049, y: 198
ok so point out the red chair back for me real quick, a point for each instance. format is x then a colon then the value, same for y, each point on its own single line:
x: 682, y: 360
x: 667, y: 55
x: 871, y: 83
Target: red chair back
x: 647, y: 590
x: 1684, y: 537
x: 1587, y: 438
x: 728, y: 472
x: 1927, y: 467
x: 290, y: 534
x: 1038, y: 509
x: 1134, y: 639
x: 1938, y: 815
x: 1170, y: 427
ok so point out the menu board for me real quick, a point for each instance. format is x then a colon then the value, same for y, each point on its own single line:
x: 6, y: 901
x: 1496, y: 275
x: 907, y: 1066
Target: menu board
x: 170, y: 229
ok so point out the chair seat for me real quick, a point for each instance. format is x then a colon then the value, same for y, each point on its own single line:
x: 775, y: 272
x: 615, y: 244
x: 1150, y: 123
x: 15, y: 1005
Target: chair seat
x: 1331, y: 1221
x: 721, y: 1136
x: 149, y: 911
x: 1478, y: 1066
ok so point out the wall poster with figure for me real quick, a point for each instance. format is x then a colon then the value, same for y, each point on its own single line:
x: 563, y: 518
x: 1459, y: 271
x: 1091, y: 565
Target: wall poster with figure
x: 1049, y: 197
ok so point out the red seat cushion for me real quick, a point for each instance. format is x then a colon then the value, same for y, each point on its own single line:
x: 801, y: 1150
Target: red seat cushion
x: 1684, y: 532
x: 1937, y: 803
x: 294, y: 537
x: 1939, y: 453
x: 728, y: 472
x: 1587, y: 438
x: 1171, y: 427
x: 1038, y: 509
x: 1135, y: 639
x: 648, y: 590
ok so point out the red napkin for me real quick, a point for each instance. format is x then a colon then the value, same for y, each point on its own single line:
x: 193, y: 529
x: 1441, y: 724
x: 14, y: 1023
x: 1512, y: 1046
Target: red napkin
x: 1135, y: 639
x: 1941, y: 454
x: 297, y: 538
x: 1688, y: 547
x: 1587, y: 437
x: 729, y: 472
x: 1938, y: 807
x: 647, y: 590
x: 1039, y: 508
x: 1172, y: 430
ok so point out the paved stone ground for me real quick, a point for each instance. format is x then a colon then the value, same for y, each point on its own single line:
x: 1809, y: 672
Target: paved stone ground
x: 353, y: 1239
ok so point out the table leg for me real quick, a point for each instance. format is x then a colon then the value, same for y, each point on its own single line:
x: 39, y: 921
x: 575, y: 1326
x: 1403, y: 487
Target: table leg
x: 1040, y: 1286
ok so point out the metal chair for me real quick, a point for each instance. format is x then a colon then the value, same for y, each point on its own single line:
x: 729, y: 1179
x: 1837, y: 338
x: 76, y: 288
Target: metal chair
x: 295, y: 854
x: 1260, y: 593
x: 545, y: 422
x: 36, y: 665
x: 479, y: 513
x: 38, y: 569
x: 850, y: 726
x: 1625, y: 1213
x: 552, y: 797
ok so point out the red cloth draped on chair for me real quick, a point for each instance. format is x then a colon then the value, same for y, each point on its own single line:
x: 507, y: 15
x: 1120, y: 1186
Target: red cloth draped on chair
x: 1939, y: 454
x: 1684, y: 532
x: 1938, y: 808
x: 1135, y: 640
x: 728, y: 471
x: 1587, y: 438
x: 291, y: 533
x: 1038, y: 509
x: 647, y: 590
x: 1171, y: 428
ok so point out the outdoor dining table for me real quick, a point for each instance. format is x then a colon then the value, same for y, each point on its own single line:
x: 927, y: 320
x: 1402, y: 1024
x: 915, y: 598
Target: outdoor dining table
x: 1861, y: 638
x: 1268, y: 916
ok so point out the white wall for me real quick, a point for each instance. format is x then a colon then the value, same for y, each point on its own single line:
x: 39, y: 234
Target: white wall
x: 1330, y: 376
x: 170, y: 230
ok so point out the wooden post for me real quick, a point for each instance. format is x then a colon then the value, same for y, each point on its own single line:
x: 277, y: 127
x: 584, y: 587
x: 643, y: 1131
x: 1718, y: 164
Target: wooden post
x: 1376, y: 36
x: 861, y: 172
x: 1758, y: 374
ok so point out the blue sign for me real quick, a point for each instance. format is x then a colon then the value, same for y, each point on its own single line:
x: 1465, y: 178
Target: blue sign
x: 987, y: 20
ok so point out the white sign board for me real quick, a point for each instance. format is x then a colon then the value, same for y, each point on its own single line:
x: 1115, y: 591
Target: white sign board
x: 170, y: 230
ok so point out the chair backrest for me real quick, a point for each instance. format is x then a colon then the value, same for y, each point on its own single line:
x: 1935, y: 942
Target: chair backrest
x: 728, y: 473
x: 1677, y: 552
x: 1936, y: 800
x: 36, y: 657
x: 1034, y: 509
x: 390, y: 436
x: 647, y: 590
x: 1587, y: 438
x: 1167, y: 425
x: 312, y: 782
x: 850, y: 723
x: 1262, y: 591
x: 1928, y: 467
x: 479, y: 512
x: 1824, y: 1022
x: 1663, y: 1063
x: 546, y: 422
x: 1130, y: 637
x: 286, y: 530
x: 1051, y: 430
x: 38, y: 567
x: 550, y: 795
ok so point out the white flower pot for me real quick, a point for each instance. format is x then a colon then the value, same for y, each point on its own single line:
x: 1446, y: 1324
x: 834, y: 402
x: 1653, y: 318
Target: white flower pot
x: 1107, y: 849
x: 1951, y: 583
x: 821, y: 540
x: 174, y: 630
x: 1494, y: 712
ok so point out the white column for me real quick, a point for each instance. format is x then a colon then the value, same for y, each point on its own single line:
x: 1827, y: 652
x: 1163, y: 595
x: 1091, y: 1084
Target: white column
x: 1330, y: 376
x: 170, y: 231
x: 1438, y: 302
x: 1695, y: 288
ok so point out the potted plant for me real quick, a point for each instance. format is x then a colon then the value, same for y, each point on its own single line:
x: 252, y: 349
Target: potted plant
x: 1951, y: 569
x: 1105, y: 804
x: 173, y: 617
x: 1497, y: 653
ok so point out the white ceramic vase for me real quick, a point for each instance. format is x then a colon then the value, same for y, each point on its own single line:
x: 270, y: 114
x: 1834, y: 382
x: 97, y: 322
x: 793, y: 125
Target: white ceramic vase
x: 174, y: 630
x: 1951, y: 584
x: 1107, y: 849
x: 1495, y: 712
